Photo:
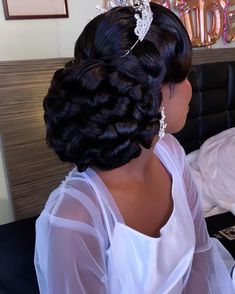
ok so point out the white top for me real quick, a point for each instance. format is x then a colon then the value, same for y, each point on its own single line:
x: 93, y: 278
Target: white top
x: 84, y: 246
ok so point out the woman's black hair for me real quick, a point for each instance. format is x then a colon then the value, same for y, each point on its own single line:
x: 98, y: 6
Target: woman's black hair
x: 103, y: 107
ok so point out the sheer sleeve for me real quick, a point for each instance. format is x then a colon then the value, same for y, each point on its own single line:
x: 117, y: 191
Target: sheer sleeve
x: 212, y: 263
x: 69, y: 255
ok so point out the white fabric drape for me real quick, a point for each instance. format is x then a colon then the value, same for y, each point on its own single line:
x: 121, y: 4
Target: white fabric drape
x: 84, y: 246
x: 213, y: 169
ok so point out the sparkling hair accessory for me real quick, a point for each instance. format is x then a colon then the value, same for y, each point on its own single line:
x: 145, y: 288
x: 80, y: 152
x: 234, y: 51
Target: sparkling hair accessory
x: 143, y: 16
x: 163, y: 124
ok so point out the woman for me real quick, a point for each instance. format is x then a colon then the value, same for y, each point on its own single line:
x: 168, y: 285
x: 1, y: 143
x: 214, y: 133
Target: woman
x: 127, y: 219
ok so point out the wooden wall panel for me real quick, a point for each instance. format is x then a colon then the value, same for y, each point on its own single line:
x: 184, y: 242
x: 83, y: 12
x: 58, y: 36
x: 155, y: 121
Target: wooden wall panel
x: 33, y: 169
x: 207, y: 55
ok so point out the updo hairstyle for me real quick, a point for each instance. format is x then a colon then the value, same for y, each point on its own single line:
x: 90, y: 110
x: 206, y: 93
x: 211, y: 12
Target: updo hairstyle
x: 103, y: 107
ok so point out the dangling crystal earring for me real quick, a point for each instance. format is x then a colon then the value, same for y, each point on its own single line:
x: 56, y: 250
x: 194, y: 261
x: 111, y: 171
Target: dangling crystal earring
x: 163, y: 124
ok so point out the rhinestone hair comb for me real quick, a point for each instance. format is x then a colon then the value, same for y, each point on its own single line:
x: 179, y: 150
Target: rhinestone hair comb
x: 143, y: 16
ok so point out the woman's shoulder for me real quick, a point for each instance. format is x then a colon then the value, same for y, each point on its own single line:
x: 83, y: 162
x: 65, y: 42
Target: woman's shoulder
x: 74, y: 201
x: 171, y: 141
x: 171, y: 144
x: 170, y: 147
x: 71, y: 212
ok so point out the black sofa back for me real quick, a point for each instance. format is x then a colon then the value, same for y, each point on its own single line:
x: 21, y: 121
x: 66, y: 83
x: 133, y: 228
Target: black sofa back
x: 17, y: 273
x: 212, y: 108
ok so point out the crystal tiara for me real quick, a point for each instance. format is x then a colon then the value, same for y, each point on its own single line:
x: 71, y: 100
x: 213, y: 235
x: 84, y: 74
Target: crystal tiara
x: 143, y: 16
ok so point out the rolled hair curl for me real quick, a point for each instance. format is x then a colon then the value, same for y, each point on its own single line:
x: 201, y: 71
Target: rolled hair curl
x: 101, y: 109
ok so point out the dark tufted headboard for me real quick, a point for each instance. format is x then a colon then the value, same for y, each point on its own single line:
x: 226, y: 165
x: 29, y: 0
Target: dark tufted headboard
x: 212, y: 108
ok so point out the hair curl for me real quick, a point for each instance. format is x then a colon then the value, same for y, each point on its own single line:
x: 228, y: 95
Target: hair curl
x: 101, y: 108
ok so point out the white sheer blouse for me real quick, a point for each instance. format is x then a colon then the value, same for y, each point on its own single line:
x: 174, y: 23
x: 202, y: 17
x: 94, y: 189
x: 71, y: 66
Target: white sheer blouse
x: 84, y: 246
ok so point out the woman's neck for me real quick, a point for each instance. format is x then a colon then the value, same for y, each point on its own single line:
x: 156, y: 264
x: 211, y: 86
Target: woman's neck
x: 135, y: 170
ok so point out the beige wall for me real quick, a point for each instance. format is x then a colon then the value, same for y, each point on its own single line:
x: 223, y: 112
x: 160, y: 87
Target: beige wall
x: 50, y: 38
x: 6, y: 213
x: 44, y: 38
